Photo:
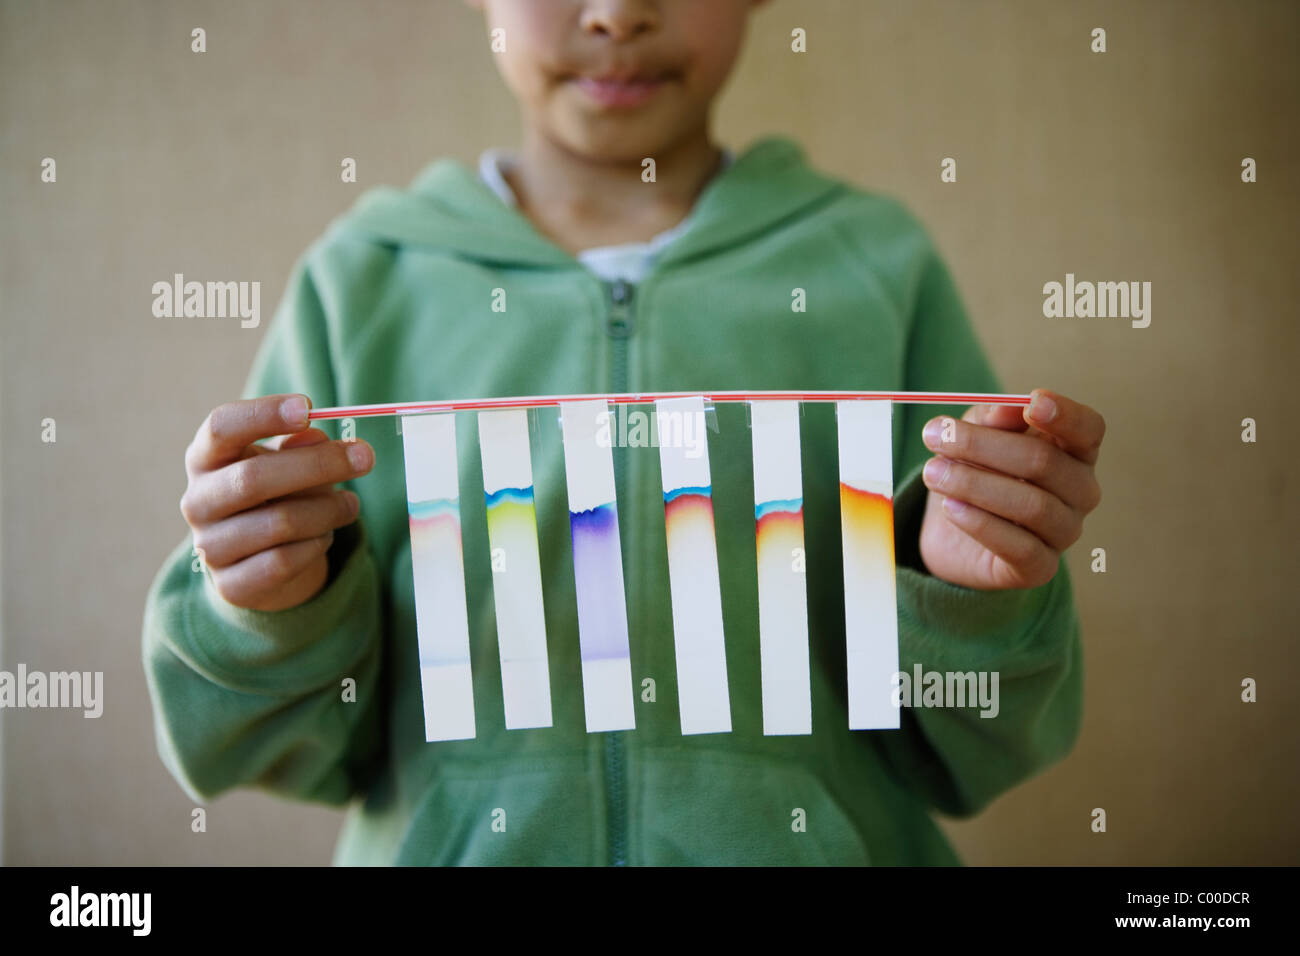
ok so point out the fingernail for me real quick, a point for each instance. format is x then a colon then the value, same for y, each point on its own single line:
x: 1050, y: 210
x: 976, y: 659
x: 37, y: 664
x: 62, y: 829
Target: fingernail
x: 359, y: 455
x: 954, y: 506
x: 354, y: 503
x: 1041, y: 408
x: 936, y: 470
x: 933, y: 434
x: 294, y: 410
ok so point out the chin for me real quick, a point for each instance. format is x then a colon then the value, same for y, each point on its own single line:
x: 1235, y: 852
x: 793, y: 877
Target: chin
x: 627, y: 139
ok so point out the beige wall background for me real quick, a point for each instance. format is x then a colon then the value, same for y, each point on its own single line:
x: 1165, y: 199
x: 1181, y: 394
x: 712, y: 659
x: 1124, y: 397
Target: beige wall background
x: 1115, y: 166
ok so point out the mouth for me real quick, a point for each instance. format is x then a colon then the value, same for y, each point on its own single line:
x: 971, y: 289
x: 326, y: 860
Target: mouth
x: 626, y: 91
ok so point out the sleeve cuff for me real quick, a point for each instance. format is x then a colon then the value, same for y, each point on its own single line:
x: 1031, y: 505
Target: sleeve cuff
x: 292, y: 651
x: 945, y: 625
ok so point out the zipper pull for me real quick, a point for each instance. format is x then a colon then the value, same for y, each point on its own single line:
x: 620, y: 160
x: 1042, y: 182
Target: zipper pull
x: 620, y: 323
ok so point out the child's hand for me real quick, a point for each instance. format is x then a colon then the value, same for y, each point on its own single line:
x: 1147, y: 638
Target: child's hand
x: 264, y: 517
x: 1009, y: 490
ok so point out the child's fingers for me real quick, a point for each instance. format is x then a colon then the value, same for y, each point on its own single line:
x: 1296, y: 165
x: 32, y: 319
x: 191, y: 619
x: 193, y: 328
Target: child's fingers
x: 232, y: 427
x: 1019, y: 455
x: 266, y: 572
x: 1029, y: 562
x: 253, y: 481
x: 1029, y: 506
x: 312, y: 436
x: 297, y: 519
x: 1005, y: 417
x: 1075, y: 427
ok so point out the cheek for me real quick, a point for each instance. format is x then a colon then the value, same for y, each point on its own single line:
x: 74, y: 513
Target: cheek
x: 712, y: 54
x: 522, y: 76
x: 532, y: 33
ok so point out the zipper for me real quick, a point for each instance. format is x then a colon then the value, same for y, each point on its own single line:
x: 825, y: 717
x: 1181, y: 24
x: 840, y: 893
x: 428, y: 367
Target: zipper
x: 620, y: 325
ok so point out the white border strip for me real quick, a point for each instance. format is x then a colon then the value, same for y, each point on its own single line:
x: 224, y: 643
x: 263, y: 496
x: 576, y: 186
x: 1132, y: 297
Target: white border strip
x: 597, y: 567
x: 516, y: 569
x: 782, y: 580
x: 870, y: 598
x: 438, y: 572
x: 702, y: 695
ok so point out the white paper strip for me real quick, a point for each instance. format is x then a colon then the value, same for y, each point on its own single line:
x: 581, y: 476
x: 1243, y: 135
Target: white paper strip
x: 867, y: 526
x: 703, y: 700
x: 438, y: 567
x: 516, y: 568
x: 597, y: 566
x: 782, y: 588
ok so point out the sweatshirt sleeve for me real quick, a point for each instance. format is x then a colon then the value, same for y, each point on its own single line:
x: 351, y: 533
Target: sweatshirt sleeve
x: 257, y: 698
x: 954, y: 758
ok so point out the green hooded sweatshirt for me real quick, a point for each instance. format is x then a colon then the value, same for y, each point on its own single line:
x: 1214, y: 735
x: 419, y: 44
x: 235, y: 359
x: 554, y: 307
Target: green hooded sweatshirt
x: 396, y: 303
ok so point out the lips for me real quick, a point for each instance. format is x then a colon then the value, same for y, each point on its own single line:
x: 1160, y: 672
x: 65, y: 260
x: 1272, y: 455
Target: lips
x: 620, y: 92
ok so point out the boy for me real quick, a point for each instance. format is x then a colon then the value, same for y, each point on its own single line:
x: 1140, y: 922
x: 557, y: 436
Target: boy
x: 614, y: 284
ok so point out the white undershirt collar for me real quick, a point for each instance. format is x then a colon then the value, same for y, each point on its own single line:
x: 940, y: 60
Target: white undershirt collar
x: 629, y: 261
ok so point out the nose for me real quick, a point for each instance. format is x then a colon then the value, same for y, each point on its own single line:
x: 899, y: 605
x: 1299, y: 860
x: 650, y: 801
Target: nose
x: 620, y: 20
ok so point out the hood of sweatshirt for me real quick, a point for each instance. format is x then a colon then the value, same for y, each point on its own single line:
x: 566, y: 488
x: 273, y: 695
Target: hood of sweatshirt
x: 448, y: 207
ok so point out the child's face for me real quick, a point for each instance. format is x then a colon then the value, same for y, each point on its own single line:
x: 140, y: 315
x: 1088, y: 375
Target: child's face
x: 617, y: 80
